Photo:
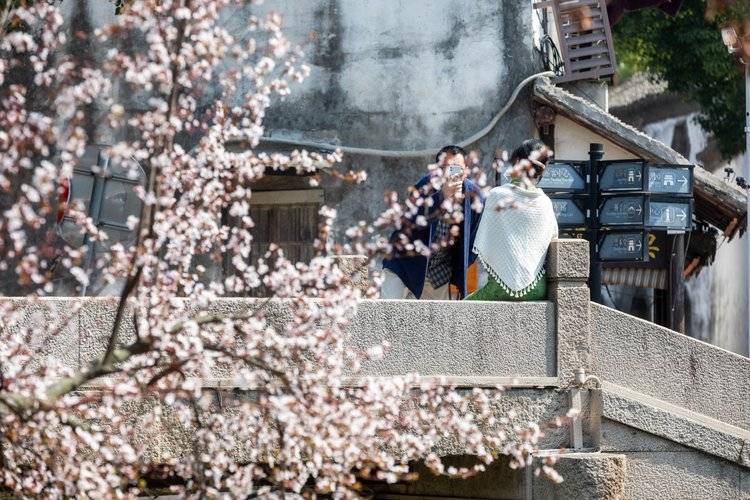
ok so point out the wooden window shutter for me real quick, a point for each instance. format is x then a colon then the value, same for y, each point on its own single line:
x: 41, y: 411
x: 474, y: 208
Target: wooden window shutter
x: 288, y: 218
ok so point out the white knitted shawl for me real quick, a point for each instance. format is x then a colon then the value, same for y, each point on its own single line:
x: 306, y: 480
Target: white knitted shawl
x: 511, y: 243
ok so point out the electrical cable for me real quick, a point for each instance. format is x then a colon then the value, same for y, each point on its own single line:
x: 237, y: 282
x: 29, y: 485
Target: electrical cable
x: 388, y: 153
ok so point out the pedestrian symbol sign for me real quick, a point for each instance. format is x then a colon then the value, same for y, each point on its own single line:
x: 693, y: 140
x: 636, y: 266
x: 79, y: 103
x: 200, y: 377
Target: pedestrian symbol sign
x: 622, y: 176
x: 624, y: 247
x: 629, y: 175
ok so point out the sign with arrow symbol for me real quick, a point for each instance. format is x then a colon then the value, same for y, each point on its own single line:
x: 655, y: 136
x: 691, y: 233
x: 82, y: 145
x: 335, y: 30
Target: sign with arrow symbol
x: 670, y: 215
x: 622, y: 176
x: 670, y: 179
x: 623, y: 247
x: 622, y: 211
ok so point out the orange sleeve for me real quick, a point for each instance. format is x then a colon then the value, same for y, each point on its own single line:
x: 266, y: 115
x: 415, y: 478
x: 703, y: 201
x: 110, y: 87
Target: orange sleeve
x: 471, y: 278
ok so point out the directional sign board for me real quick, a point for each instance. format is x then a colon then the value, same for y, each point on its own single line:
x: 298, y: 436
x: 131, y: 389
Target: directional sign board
x: 623, y: 211
x: 624, y: 247
x: 564, y: 177
x: 568, y: 213
x: 624, y: 175
x: 669, y: 214
x: 670, y: 179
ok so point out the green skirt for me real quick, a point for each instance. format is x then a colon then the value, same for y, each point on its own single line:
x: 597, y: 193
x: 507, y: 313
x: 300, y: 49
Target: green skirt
x: 494, y: 291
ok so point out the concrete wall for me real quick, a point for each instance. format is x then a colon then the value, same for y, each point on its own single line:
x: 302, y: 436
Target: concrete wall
x: 452, y: 338
x: 403, y: 76
x: 390, y: 75
x: 572, y: 142
x: 480, y: 339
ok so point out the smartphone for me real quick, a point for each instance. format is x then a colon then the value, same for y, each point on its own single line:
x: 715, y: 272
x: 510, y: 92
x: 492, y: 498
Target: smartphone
x: 454, y: 170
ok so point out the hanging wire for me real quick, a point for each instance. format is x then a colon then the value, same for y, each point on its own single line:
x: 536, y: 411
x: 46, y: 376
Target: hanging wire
x: 551, y: 56
x: 548, y: 49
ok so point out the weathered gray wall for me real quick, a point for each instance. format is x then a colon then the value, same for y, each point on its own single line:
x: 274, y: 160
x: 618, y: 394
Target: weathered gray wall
x: 405, y: 75
x: 390, y: 75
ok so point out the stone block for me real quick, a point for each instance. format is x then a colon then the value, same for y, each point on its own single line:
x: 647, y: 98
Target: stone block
x: 572, y: 307
x: 617, y: 437
x: 568, y: 260
x: 585, y: 475
x: 676, y: 424
x: 96, y: 322
x: 667, y: 365
x: 514, y: 339
x: 52, y: 326
x: 681, y: 475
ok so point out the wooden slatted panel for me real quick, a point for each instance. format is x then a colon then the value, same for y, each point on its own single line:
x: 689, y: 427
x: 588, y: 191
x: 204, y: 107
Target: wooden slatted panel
x: 565, y: 5
x: 585, y: 38
x: 292, y: 227
x: 575, y: 27
x: 573, y: 41
x: 591, y: 50
x: 589, y: 63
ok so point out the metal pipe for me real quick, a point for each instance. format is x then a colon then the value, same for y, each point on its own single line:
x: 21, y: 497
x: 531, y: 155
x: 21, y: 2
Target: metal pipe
x: 395, y: 153
x: 596, y: 153
x: 747, y: 176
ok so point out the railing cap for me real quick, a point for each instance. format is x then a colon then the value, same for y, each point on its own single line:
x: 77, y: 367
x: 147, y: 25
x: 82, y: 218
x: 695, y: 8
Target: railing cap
x: 568, y: 260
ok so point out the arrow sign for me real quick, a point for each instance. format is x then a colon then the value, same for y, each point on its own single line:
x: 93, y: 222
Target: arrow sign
x: 622, y: 211
x: 670, y: 214
x: 568, y: 213
x: 622, y: 176
x: 623, y: 247
x: 670, y: 179
x: 563, y: 177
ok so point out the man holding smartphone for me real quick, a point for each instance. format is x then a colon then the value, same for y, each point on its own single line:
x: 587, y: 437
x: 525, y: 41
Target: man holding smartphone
x: 446, y: 222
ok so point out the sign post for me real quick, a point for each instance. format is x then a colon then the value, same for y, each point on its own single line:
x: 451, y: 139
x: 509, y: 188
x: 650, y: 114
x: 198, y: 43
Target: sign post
x: 596, y: 153
x: 617, y: 203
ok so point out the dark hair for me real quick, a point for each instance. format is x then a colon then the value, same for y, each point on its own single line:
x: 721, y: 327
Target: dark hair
x: 527, y: 147
x: 454, y: 150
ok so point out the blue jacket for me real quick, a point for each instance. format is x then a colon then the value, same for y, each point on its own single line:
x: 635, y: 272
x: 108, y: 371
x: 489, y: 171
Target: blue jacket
x: 413, y: 268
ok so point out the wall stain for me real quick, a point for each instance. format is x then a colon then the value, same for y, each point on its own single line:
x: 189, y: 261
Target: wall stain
x: 448, y: 46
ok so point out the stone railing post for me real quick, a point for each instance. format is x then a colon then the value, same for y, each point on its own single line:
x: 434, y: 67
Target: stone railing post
x: 567, y: 272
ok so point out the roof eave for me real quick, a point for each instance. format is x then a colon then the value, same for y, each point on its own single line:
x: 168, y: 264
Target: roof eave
x: 729, y: 198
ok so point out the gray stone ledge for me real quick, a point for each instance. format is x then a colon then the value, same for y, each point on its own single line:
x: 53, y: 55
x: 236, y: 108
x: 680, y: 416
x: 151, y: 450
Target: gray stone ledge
x: 432, y: 338
x: 670, y: 366
x: 457, y: 381
x: 677, y: 424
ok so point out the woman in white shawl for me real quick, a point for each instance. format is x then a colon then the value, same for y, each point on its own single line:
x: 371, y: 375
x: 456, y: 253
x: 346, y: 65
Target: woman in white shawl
x: 517, y: 226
